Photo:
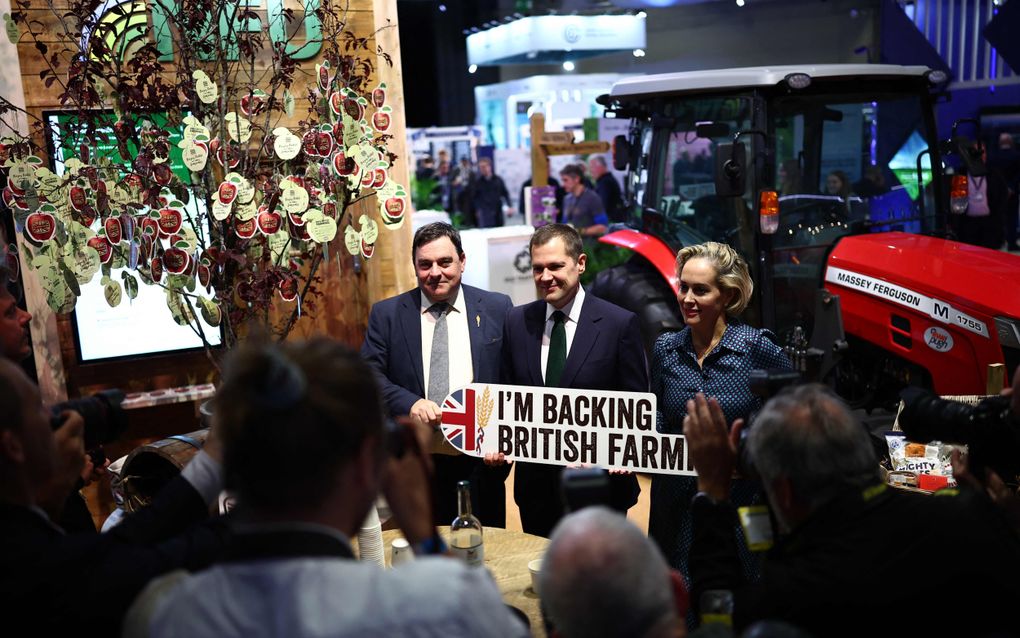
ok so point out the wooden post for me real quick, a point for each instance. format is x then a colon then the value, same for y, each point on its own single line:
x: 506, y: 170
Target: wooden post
x: 996, y: 378
x: 539, y: 160
x: 389, y: 271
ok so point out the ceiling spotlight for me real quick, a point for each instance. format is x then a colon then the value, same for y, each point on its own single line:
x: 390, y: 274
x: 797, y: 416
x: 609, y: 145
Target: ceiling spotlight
x: 442, y: 8
x: 639, y: 53
x: 641, y: 14
x: 740, y: 3
x: 568, y: 65
x: 465, y: 31
x: 472, y: 68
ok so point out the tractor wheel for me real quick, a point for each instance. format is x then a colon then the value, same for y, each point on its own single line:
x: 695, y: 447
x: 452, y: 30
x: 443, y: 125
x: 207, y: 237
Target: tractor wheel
x: 638, y: 287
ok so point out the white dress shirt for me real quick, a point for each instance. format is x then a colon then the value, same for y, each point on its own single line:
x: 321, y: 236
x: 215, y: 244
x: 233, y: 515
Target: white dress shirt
x: 461, y: 368
x: 573, y: 312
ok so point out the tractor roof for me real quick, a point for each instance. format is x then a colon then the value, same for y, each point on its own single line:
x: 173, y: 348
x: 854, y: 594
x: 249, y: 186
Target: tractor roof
x: 753, y: 77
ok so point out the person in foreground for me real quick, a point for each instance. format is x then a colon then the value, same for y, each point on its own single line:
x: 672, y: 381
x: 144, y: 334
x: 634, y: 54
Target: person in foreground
x: 56, y: 583
x: 853, y: 556
x: 713, y: 354
x: 567, y: 339
x: 431, y: 340
x: 312, y: 413
x: 603, y: 578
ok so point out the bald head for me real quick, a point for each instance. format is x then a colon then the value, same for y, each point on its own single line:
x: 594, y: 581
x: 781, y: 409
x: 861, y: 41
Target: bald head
x: 601, y: 576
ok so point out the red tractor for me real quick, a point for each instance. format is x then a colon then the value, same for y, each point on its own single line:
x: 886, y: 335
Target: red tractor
x: 831, y: 182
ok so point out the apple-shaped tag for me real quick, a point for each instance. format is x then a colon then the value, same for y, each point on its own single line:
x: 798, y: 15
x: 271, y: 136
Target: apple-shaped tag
x: 379, y: 95
x: 369, y: 229
x: 322, y: 72
x: 395, y: 206
x: 299, y: 233
x: 378, y: 178
x: 352, y: 240
x: 87, y: 215
x: 309, y: 143
x: 220, y: 211
x: 77, y: 198
x: 227, y: 192
x: 287, y: 145
x: 343, y: 165
x: 204, y: 275
x: 40, y: 226
x: 245, y: 229
x: 295, y: 200
x: 320, y: 228
x: 205, y: 88
x: 323, y: 144
x: 176, y: 260
x: 269, y: 222
x: 329, y: 209
x: 367, y: 178
x: 288, y: 289
x: 238, y: 128
x: 113, y: 230
x: 336, y: 103
x: 381, y: 119
x: 170, y: 221
x: 102, y: 247
x: 253, y: 103
x: 194, y: 156
x: 367, y: 250
x: 156, y: 269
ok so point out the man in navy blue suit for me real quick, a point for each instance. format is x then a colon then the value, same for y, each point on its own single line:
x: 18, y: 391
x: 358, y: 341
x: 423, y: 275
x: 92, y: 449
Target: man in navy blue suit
x: 567, y: 339
x: 423, y: 344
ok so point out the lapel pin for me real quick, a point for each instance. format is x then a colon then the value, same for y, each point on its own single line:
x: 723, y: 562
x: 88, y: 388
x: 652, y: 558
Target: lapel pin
x: 478, y: 321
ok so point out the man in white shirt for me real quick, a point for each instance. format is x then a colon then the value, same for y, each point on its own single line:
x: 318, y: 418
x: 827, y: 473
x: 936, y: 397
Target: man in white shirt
x: 567, y: 339
x: 430, y: 341
x: 312, y: 412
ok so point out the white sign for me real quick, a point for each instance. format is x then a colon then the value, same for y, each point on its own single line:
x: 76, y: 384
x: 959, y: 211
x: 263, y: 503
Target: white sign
x: 934, y: 308
x: 559, y: 426
x: 536, y: 34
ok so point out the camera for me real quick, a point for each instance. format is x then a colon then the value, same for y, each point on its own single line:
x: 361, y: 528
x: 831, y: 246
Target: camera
x: 105, y: 419
x: 765, y: 384
x: 990, y: 429
x: 584, y: 487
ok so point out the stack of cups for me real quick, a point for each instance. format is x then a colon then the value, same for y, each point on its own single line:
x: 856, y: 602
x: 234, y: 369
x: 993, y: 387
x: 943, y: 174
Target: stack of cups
x: 370, y: 543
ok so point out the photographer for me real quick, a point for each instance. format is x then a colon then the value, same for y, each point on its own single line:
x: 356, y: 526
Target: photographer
x: 57, y: 582
x: 852, y: 556
x: 313, y: 412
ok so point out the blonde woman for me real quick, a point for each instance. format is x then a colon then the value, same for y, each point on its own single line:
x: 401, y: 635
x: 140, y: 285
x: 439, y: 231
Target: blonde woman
x: 712, y: 355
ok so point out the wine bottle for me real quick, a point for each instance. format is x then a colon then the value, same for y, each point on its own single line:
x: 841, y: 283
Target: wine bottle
x: 465, y: 530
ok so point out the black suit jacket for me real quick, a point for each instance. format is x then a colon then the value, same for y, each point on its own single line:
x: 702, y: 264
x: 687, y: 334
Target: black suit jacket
x: 392, y: 343
x: 60, y: 583
x: 605, y: 354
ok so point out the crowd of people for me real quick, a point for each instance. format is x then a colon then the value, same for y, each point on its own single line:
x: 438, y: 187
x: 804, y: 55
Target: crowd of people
x: 307, y: 435
x: 588, y: 197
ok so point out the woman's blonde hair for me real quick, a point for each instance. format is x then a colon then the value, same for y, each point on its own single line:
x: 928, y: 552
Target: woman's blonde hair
x: 732, y: 273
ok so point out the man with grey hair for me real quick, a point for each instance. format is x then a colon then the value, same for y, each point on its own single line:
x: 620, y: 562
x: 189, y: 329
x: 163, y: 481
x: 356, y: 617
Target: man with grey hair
x: 846, y: 543
x: 601, y: 576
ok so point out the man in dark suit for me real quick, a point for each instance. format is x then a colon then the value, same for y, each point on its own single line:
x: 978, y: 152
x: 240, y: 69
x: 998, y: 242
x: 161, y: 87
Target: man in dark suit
x: 58, y: 583
x: 567, y: 339
x: 434, y: 339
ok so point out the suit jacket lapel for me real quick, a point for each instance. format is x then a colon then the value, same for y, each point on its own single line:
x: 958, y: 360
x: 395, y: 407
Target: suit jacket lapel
x: 534, y: 323
x: 410, y: 323
x: 585, y: 336
x: 475, y: 307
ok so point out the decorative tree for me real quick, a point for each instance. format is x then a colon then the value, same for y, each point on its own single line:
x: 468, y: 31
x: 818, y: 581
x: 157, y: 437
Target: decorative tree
x: 187, y: 163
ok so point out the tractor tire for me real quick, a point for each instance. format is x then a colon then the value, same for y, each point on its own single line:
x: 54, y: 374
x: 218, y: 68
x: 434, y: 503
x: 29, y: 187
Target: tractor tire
x: 638, y: 287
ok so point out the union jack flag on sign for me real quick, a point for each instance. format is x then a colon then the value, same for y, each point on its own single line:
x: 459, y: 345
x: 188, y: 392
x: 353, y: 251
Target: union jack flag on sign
x: 459, y: 420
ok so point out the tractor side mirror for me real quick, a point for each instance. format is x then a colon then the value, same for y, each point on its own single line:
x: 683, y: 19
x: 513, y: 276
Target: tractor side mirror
x: 730, y: 169
x: 621, y: 152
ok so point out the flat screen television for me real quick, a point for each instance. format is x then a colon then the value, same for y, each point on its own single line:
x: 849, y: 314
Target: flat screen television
x: 137, y: 327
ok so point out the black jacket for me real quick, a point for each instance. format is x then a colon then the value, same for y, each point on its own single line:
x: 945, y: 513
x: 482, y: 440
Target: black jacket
x: 879, y: 562
x: 59, y: 584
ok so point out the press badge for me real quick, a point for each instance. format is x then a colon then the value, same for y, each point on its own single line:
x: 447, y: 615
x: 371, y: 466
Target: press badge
x: 757, y: 527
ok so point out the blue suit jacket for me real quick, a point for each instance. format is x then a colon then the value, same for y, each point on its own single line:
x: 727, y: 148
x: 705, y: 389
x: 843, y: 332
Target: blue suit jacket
x: 393, y: 343
x: 605, y: 354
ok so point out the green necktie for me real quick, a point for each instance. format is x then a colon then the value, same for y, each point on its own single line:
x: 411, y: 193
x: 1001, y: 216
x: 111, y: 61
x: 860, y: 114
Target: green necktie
x: 557, y: 350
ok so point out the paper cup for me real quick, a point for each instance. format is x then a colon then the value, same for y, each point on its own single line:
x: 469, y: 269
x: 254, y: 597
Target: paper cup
x: 535, y: 567
x: 400, y: 552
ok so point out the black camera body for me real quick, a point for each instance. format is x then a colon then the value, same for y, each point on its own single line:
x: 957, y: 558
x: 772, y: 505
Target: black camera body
x: 764, y: 383
x: 584, y: 487
x: 105, y: 419
x: 990, y: 430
